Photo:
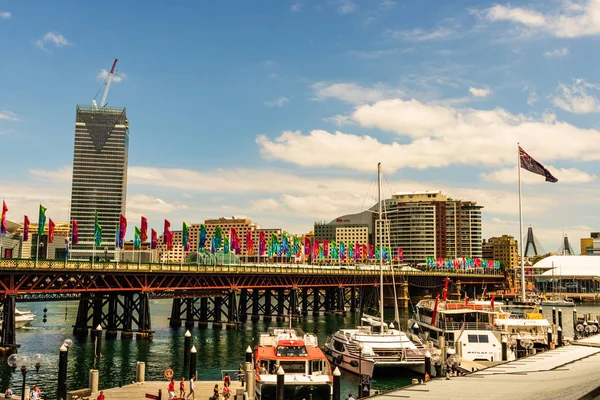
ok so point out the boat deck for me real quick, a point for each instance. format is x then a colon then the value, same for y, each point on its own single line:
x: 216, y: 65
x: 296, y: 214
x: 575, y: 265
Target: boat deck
x: 565, y: 373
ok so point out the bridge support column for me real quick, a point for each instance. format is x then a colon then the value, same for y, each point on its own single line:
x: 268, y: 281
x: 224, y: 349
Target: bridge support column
x: 353, y: 299
x: 175, y: 320
x: 203, y: 313
x: 232, y: 311
x: 293, y: 305
x: 255, y: 313
x: 268, y: 317
x: 243, y: 314
x: 8, y: 335
x: 111, y: 326
x: 217, y: 324
x: 280, y: 305
x: 341, y: 301
x: 328, y: 301
x: 304, y: 302
x: 189, y: 313
x: 128, y: 306
x: 97, y: 314
x: 144, y: 331
x: 404, y: 296
x: 80, y: 329
x: 316, y: 302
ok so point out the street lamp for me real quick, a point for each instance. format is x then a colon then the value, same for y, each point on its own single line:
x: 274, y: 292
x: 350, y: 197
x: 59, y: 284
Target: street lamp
x: 22, y: 362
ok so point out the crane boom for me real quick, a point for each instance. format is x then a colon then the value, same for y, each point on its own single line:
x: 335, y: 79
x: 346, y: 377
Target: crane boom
x: 108, y: 80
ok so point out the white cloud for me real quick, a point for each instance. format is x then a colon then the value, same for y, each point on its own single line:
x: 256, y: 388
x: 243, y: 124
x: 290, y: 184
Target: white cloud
x: 296, y: 7
x: 103, y: 74
x: 434, y: 136
x: 279, y: 102
x: 480, y: 92
x: 564, y: 175
x: 5, y: 15
x: 557, y: 53
x: 575, y: 98
x: 8, y: 116
x: 140, y: 204
x: 570, y: 20
x: 353, y: 93
x: 64, y: 174
x: 53, y: 38
x: 420, y: 35
x: 346, y: 6
x: 340, y: 120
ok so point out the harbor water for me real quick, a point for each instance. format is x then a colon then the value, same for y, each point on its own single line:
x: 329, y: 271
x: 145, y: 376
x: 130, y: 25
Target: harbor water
x: 217, y: 350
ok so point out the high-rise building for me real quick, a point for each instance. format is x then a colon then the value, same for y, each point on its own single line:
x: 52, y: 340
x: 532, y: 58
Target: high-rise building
x: 590, y: 246
x: 504, y: 249
x: 99, y: 176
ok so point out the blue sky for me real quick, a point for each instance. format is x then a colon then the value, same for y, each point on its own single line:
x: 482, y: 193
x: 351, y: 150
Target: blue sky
x: 280, y: 110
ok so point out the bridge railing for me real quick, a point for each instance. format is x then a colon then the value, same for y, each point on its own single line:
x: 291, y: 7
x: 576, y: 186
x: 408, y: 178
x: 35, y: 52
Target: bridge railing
x: 291, y: 269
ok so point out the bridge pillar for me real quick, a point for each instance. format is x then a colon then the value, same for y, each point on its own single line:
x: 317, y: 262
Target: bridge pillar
x: 203, y: 313
x: 340, y: 301
x: 316, y: 302
x: 294, y: 314
x: 328, y: 300
x: 217, y: 324
x: 304, y: 302
x: 111, y: 326
x: 175, y: 320
x: 268, y: 317
x: 232, y: 311
x: 80, y: 329
x: 144, y: 331
x: 96, y: 314
x: 189, y: 313
x: 255, y: 313
x: 280, y: 305
x: 404, y: 296
x: 8, y: 339
x: 128, y: 306
x: 352, y: 299
x: 243, y: 314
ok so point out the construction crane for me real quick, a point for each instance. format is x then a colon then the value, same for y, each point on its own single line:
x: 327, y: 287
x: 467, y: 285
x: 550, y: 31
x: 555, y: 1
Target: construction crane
x: 108, y: 80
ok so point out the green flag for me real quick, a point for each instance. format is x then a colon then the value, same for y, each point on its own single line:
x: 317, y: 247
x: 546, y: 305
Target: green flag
x: 97, y: 231
x: 42, y: 220
x: 137, y: 241
x: 185, y: 236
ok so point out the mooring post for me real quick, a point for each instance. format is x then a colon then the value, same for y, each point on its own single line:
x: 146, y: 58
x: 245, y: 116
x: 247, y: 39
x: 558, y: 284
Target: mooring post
x: 187, y: 343
x: 98, y: 339
x: 337, y: 380
x: 279, y: 391
x: 559, y: 337
x: 550, y: 341
x: 249, y: 370
x: 574, y: 322
x: 192, y: 362
x: 553, y: 315
x: 249, y: 355
x: 504, y: 349
x: 560, y: 317
x: 62, y: 371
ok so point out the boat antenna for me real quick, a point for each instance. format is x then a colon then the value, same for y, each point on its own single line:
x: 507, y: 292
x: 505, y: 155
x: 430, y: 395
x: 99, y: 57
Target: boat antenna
x: 380, y: 232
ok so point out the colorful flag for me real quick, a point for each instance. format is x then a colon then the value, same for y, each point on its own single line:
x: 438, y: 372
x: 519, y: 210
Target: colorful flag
x: 97, y: 231
x: 202, y: 237
x: 333, y: 250
x: 122, y: 229
x: 185, y: 236
x: 296, y: 245
x: 531, y: 165
x: 342, y: 251
x: 400, y: 254
x: 167, y: 235
x: 74, y: 231
x: 26, y: 229
x: 306, y: 246
x: 218, y: 236
x: 144, y: 230
x: 213, y: 245
x: 153, y: 239
x: 315, y: 248
x: 66, y: 247
x: 262, y: 243
x: 50, y: 231
x: 41, y: 220
x: 285, y: 245
x: 275, y: 250
x: 137, y: 240
x: 226, y: 245
x: 3, y: 223
x: 249, y: 243
x: 117, y: 236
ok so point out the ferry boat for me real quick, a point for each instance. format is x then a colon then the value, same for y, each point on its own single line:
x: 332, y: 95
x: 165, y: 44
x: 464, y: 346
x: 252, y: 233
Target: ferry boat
x: 480, y: 326
x: 308, y: 374
x: 22, y: 318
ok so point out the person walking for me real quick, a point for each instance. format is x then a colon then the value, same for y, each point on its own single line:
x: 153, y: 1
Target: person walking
x: 226, y: 379
x: 182, y: 388
x: 172, y: 389
x: 216, y: 392
x: 192, y: 387
x: 100, y: 396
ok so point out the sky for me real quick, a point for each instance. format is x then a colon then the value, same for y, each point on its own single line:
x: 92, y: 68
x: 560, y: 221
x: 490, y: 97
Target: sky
x: 279, y: 111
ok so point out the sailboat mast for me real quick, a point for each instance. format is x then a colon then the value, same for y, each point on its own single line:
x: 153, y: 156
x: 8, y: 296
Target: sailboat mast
x: 380, y: 233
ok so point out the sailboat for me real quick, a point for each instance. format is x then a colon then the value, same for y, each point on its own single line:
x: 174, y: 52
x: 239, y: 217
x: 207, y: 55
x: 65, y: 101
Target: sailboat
x: 374, y: 344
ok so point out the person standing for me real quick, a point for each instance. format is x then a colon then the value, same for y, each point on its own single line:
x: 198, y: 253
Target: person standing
x: 182, y: 388
x: 172, y: 389
x: 100, y: 396
x: 216, y: 392
x: 35, y: 395
x: 8, y: 394
x: 226, y: 379
x: 192, y: 387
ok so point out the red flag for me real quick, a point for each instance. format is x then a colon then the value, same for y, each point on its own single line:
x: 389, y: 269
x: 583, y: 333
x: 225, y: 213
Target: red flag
x: 74, y: 233
x: 3, y: 224
x: 262, y: 243
x: 153, y: 240
x: 50, y: 231
x: 315, y: 248
x: 492, y: 303
x: 306, y: 246
x: 249, y: 243
x: 167, y: 236
x: 325, y: 248
x: 144, y: 230
x: 26, y: 229
x: 122, y: 228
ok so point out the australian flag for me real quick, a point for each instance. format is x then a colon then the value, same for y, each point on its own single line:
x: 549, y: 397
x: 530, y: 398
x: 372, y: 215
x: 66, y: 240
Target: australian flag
x: 528, y: 163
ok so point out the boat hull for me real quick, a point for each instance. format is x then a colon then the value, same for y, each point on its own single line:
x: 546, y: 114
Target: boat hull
x: 294, y: 391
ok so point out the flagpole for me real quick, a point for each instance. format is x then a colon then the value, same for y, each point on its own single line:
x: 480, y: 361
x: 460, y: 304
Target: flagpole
x: 521, y: 226
x: 94, y: 252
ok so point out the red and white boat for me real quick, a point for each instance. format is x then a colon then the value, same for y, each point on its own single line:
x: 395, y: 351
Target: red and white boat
x: 308, y: 374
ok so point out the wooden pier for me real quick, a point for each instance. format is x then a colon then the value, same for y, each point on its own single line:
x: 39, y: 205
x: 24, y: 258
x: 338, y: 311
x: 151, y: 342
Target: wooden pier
x: 565, y: 373
x: 204, y: 390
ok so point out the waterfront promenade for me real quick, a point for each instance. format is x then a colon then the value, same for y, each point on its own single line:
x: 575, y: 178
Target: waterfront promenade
x: 204, y: 389
x: 565, y: 373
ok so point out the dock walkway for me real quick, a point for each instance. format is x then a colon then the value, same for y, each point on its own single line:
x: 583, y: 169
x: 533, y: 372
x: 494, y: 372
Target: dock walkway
x: 565, y: 373
x: 204, y: 389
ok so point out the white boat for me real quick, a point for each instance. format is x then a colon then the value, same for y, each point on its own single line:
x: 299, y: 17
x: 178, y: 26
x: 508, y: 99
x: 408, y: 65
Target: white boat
x: 22, y: 318
x: 558, y: 302
x: 476, y: 328
x: 308, y: 374
x: 375, y: 344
